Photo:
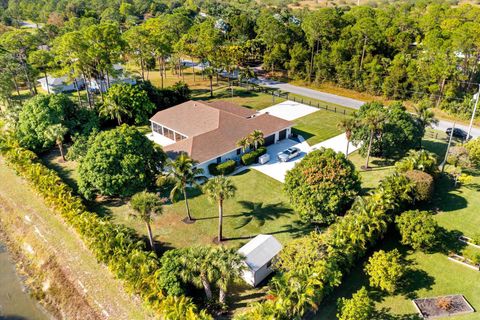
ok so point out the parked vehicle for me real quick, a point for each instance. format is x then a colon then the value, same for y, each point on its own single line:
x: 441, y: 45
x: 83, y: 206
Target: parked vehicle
x: 458, y: 133
x: 288, y: 154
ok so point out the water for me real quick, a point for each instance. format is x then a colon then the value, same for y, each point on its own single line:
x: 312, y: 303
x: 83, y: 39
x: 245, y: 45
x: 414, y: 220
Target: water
x: 15, y: 304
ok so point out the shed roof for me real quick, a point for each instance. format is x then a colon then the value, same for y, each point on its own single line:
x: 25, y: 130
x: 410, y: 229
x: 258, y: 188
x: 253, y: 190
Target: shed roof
x: 260, y: 250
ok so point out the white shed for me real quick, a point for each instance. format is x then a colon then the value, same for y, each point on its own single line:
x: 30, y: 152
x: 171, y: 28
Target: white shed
x: 259, y: 253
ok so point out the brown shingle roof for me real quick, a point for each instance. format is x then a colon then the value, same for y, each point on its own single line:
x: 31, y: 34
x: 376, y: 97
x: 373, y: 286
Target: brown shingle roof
x: 233, y: 123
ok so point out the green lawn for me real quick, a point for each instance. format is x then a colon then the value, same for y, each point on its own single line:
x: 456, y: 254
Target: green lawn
x: 431, y: 274
x: 318, y: 126
x: 260, y: 206
x: 242, y: 96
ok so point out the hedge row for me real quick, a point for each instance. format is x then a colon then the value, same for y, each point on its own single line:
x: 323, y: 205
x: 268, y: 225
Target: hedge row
x: 117, y: 246
x: 252, y: 157
x: 223, y: 168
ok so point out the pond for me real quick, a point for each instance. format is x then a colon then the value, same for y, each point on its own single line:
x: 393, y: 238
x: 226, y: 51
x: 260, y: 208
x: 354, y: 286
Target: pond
x: 15, y: 303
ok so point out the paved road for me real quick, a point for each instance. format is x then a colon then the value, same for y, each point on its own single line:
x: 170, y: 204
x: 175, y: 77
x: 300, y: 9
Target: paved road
x: 347, y: 102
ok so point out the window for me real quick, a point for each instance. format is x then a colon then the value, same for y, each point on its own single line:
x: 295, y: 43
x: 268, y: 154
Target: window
x: 239, y: 151
x: 219, y: 159
x: 269, y: 264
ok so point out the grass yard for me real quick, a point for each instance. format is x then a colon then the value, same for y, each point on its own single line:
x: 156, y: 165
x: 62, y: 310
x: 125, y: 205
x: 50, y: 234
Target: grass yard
x: 260, y: 206
x: 431, y: 274
x: 318, y: 126
x: 243, y: 97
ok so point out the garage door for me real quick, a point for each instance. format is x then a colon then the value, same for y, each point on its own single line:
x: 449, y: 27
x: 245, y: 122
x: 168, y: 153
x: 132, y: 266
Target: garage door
x: 282, y: 134
x: 270, y: 140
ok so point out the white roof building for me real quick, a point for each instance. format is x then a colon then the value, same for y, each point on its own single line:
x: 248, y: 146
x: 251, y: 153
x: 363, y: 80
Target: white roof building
x: 259, y: 253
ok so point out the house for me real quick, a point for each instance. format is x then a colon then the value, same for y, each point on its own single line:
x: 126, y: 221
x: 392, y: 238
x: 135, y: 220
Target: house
x: 259, y: 253
x: 119, y: 76
x: 60, y: 84
x: 209, y: 131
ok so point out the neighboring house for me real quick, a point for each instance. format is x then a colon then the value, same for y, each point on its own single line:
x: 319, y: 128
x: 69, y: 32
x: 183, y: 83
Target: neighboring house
x: 60, y: 84
x: 119, y: 76
x: 209, y: 131
x: 259, y: 253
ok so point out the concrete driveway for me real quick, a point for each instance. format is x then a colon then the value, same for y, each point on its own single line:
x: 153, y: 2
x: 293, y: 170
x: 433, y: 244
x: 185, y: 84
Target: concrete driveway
x: 289, y: 110
x: 277, y: 169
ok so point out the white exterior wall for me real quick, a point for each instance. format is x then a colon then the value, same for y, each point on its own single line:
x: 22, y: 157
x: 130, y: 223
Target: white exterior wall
x: 254, y: 278
x: 227, y: 156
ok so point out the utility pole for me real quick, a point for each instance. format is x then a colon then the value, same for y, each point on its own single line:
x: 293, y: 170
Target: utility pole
x: 473, y: 114
x: 448, y: 148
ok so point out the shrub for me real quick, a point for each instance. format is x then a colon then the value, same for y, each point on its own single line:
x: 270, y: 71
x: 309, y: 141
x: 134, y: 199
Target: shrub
x: 418, y: 229
x: 474, y: 257
x: 385, y: 270
x: 418, y: 160
x: 322, y: 185
x: 212, y: 169
x: 424, y: 184
x: 226, y: 167
x: 223, y: 168
x: 476, y: 239
x: 445, y: 303
x: 252, y: 157
x: 473, y: 148
x: 359, y: 307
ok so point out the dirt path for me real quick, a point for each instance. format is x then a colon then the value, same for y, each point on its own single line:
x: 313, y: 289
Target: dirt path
x: 22, y: 208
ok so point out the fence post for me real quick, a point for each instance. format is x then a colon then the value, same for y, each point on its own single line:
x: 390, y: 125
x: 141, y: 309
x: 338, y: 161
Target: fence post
x: 318, y: 104
x: 302, y: 100
x: 343, y: 111
x: 335, y: 109
x: 310, y: 102
x: 326, y: 107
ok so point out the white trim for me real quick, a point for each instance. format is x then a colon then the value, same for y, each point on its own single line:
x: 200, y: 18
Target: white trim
x: 175, y: 131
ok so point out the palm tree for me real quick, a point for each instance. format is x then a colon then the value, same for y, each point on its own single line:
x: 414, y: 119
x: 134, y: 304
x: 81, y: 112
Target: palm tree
x: 347, y: 124
x: 219, y: 189
x: 198, y: 268
x: 229, y: 264
x: 113, y: 109
x: 374, y: 121
x: 57, y: 132
x: 243, y: 143
x: 425, y: 115
x: 145, y: 205
x: 256, y: 138
x: 183, y: 173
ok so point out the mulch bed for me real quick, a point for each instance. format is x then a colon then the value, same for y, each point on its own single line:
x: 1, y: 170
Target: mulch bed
x: 429, y: 307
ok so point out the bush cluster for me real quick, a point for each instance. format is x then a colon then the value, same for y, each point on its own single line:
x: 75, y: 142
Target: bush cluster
x: 424, y: 184
x: 117, y: 246
x: 252, y: 157
x: 418, y: 229
x: 223, y: 168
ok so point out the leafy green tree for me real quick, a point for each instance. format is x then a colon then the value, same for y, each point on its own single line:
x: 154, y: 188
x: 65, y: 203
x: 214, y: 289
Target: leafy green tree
x: 473, y: 148
x: 145, y: 205
x: 57, y: 133
x: 359, y: 307
x: 385, y: 270
x: 425, y: 115
x: 119, y: 162
x: 418, y: 229
x: 322, y: 185
x: 168, y: 275
x: 42, y: 60
x: 183, y: 172
x: 386, y: 132
x: 38, y: 114
x: 124, y: 102
x: 219, y: 189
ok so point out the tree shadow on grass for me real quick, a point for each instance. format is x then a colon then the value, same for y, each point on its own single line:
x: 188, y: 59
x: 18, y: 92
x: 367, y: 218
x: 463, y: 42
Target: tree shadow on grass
x: 414, y: 280
x: 448, y: 241
x: 305, y: 134
x: 384, y: 314
x: 260, y: 213
x: 445, y: 198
